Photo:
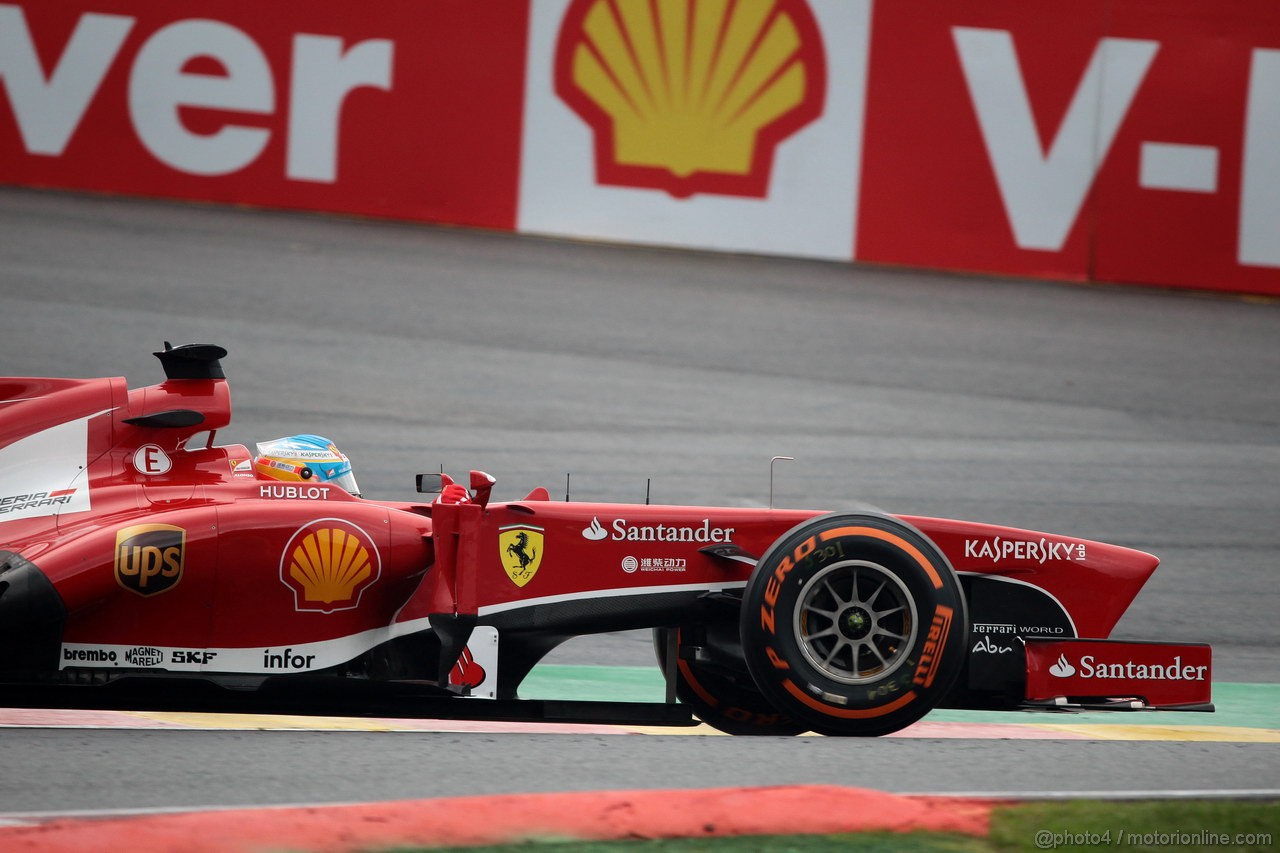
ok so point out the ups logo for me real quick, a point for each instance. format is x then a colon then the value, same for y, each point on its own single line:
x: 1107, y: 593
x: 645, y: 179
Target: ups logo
x: 149, y: 557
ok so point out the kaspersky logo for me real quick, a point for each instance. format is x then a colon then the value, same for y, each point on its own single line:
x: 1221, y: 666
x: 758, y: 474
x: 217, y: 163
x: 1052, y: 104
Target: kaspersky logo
x: 691, y: 96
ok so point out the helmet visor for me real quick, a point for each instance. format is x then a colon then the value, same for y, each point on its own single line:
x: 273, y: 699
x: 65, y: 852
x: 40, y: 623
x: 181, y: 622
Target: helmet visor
x: 347, y: 481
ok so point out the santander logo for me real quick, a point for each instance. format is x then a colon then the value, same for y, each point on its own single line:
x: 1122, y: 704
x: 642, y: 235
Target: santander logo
x: 1091, y: 667
x: 1062, y: 668
x: 625, y: 532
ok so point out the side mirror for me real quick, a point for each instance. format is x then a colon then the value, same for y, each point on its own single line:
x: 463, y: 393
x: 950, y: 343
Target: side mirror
x: 481, y: 487
x: 433, y: 484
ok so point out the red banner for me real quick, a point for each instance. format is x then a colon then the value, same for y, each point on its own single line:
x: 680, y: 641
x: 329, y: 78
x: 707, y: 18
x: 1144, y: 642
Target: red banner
x: 399, y: 109
x: 1105, y: 141
x: 1193, y: 196
x: 1108, y: 140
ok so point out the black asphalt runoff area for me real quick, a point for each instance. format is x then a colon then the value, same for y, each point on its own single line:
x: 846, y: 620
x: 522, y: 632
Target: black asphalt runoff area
x: 1145, y: 417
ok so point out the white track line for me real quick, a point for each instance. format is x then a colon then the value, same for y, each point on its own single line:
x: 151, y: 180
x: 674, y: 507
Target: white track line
x: 1190, y: 794
x: 32, y: 818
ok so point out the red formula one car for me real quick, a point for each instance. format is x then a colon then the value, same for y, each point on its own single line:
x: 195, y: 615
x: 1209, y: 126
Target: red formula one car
x: 132, y: 546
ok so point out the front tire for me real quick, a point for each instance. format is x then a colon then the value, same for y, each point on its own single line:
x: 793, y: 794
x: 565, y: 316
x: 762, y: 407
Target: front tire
x: 854, y: 624
x: 723, y: 699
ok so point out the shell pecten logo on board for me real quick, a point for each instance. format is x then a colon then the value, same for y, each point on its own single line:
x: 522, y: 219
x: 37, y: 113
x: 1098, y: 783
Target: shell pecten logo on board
x: 691, y: 96
x: 329, y: 563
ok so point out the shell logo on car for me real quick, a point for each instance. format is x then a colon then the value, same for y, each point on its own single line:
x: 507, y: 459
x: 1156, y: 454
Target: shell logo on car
x: 328, y: 564
x: 689, y: 96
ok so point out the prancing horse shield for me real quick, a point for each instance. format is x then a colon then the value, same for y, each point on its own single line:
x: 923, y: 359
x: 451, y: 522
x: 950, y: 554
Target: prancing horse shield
x: 520, y: 549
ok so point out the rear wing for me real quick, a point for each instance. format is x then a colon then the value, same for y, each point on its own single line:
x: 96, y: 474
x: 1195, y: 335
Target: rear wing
x: 62, y: 438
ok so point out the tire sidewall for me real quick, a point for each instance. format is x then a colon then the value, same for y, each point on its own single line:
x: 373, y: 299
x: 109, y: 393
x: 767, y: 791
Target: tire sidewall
x: 797, y: 687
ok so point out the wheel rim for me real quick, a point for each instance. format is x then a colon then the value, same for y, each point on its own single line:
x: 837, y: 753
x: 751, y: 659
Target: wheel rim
x: 855, y: 622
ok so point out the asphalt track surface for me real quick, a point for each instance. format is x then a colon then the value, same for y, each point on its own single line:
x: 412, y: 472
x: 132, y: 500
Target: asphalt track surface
x: 1139, y: 416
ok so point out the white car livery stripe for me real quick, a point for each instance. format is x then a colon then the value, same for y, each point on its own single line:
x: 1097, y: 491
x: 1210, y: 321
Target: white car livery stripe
x: 46, y: 473
x: 490, y: 609
x: 264, y: 660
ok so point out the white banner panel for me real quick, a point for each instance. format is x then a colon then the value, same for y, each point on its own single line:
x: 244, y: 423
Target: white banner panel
x: 735, y: 127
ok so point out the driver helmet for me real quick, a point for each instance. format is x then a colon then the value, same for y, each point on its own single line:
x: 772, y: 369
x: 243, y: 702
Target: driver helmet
x: 305, y: 459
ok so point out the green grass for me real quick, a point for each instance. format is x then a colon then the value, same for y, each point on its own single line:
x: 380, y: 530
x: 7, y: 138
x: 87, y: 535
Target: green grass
x: 1156, y: 825
x: 1090, y: 825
